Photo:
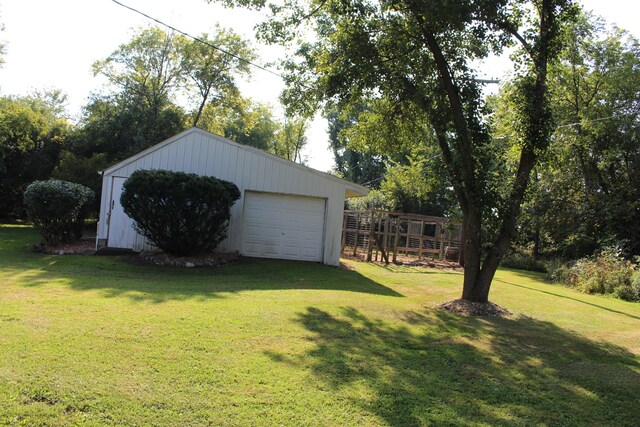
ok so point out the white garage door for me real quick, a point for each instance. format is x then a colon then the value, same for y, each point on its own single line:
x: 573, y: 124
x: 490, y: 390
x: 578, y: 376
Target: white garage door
x: 283, y: 227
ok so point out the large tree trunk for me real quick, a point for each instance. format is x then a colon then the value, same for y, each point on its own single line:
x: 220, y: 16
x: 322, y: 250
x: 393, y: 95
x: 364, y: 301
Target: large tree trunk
x: 478, y: 273
x: 472, y: 257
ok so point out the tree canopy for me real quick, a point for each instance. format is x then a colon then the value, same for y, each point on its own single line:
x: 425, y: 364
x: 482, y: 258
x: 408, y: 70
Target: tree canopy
x: 587, y: 192
x: 31, y: 136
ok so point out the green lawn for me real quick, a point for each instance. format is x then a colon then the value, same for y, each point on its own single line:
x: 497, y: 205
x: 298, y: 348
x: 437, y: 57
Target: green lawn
x: 95, y: 341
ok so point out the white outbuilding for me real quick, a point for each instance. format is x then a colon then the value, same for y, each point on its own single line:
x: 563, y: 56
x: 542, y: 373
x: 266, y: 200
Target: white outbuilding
x: 286, y: 210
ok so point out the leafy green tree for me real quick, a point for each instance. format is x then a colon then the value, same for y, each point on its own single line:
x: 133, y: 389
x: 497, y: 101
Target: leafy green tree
x: 587, y: 194
x: 120, y: 127
x: 212, y: 72
x: 291, y: 139
x: 147, y: 70
x: 30, y: 142
x: 255, y: 124
x: 350, y: 163
x: 146, y: 75
x: 417, y: 57
x: 417, y: 186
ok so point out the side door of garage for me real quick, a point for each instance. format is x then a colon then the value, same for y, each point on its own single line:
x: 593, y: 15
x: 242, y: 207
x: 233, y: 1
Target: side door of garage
x: 121, y: 232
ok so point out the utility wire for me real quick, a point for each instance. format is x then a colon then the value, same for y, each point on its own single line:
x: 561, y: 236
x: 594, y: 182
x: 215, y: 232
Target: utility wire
x: 261, y: 67
x: 568, y: 125
x: 199, y: 40
x: 589, y: 121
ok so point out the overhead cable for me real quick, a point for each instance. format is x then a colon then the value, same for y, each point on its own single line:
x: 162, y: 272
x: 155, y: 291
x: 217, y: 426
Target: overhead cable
x: 199, y: 40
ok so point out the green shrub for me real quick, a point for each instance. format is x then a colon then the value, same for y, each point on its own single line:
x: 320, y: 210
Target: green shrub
x: 57, y: 208
x: 606, y: 273
x: 182, y: 214
x: 376, y: 199
x: 632, y: 291
x: 558, y: 271
x: 523, y: 262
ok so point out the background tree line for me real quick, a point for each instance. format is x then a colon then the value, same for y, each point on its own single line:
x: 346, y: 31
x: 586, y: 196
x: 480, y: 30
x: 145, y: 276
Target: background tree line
x: 159, y: 84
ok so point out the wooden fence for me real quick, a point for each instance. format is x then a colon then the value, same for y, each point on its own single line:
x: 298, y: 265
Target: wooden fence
x: 380, y: 235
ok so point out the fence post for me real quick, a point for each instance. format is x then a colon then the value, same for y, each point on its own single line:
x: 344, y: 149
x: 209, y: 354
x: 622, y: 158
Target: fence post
x: 345, y: 225
x: 355, y: 240
x: 395, y: 241
x: 371, y: 234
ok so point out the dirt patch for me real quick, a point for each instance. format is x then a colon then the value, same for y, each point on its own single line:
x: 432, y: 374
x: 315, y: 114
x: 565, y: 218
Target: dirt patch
x: 207, y: 260
x: 85, y: 246
x: 470, y: 308
x: 411, y: 262
x: 346, y: 266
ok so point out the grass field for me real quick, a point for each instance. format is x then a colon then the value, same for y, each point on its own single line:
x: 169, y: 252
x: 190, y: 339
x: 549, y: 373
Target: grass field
x: 98, y: 341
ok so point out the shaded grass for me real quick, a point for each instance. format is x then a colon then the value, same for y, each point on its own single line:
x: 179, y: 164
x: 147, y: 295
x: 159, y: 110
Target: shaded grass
x: 97, y: 341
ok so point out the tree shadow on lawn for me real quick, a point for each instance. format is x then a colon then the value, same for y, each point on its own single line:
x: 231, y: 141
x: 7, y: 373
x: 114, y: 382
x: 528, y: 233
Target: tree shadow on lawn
x: 160, y: 284
x: 437, y: 368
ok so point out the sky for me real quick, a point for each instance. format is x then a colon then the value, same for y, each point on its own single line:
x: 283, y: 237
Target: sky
x: 52, y: 44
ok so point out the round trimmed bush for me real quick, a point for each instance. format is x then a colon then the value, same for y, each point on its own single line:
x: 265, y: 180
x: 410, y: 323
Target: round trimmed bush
x: 58, y: 208
x: 181, y: 213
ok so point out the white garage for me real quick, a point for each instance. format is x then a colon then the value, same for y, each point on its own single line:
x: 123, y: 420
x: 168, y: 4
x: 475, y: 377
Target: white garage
x: 286, y: 210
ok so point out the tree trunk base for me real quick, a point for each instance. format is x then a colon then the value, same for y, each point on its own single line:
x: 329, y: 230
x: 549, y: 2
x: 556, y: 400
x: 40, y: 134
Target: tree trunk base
x: 471, y: 308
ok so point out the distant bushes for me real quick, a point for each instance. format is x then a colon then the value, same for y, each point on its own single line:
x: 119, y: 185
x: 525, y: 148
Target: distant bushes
x: 523, y: 261
x: 182, y: 214
x: 57, y: 208
x: 606, y: 273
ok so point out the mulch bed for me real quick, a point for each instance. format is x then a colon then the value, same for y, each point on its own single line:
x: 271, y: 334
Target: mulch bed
x: 411, y: 262
x: 85, y: 246
x: 469, y: 308
x: 206, y: 260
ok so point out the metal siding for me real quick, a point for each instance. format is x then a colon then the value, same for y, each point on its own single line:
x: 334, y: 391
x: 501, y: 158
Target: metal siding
x: 309, y: 184
x: 202, y: 157
x: 290, y: 176
x: 208, y: 159
x: 216, y: 152
x: 179, y: 162
x: 259, y: 180
x: 274, y: 177
x: 226, y: 155
x: 298, y: 184
x: 172, y: 152
x: 247, y: 171
x: 255, y: 167
x: 237, y: 176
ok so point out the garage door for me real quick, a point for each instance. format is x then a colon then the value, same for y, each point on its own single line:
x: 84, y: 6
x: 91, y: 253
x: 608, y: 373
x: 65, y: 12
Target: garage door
x: 283, y: 227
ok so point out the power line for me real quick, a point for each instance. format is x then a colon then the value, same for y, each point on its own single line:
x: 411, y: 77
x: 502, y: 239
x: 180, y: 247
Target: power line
x: 590, y: 121
x: 199, y: 40
x: 568, y: 125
